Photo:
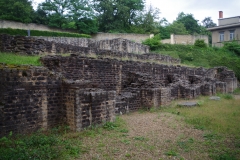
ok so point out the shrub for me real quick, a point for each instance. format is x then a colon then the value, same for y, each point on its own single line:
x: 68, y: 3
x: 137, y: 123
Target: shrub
x: 200, y: 43
x: 153, y: 43
x: 232, y: 46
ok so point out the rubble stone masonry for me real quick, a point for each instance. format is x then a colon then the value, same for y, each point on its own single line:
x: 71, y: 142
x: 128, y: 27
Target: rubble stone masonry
x: 80, y: 91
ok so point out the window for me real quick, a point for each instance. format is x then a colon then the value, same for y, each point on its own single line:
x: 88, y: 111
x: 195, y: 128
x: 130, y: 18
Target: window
x: 232, y: 37
x: 221, y: 36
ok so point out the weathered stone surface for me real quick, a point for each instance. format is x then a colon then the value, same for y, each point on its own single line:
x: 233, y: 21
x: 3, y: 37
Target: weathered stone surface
x: 214, y: 98
x: 81, y: 91
x: 188, y: 104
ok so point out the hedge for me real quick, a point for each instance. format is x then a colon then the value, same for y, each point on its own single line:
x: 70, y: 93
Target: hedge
x: 23, y: 32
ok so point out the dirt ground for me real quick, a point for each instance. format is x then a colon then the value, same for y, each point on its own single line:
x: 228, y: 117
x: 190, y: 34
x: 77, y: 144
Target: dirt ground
x: 150, y: 136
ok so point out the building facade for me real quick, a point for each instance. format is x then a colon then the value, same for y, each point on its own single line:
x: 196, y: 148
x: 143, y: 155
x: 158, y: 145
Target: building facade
x: 228, y: 29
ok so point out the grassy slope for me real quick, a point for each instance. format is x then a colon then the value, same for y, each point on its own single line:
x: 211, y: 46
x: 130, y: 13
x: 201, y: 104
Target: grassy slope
x: 11, y: 58
x: 204, y: 57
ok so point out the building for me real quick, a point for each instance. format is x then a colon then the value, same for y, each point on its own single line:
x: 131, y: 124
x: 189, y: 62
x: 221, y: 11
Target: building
x: 228, y: 29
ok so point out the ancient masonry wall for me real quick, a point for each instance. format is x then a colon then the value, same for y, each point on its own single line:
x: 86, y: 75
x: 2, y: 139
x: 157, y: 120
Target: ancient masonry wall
x: 34, y: 97
x: 53, y: 45
x: 143, y: 84
x: 32, y: 46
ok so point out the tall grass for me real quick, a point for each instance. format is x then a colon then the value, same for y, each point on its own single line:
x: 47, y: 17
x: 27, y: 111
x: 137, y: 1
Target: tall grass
x: 16, y: 59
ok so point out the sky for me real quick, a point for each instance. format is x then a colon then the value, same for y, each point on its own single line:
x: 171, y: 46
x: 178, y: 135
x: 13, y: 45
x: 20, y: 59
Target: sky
x: 199, y: 8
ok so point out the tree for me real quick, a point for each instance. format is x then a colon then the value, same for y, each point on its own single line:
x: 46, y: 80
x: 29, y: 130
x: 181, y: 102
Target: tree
x: 163, y: 29
x: 147, y: 21
x: 16, y: 10
x: 208, y: 22
x: 40, y: 16
x: 117, y: 15
x: 189, y: 22
x: 177, y: 28
x: 57, y: 11
x: 81, y: 12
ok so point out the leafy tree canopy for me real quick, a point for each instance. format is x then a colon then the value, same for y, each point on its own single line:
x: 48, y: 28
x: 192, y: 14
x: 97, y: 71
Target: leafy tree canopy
x: 208, y: 22
x: 16, y: 10
x: 189, y: 22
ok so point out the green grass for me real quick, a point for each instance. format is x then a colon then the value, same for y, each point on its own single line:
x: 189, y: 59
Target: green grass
x: 40, y: 145
x: 237, y: 91
x: 16, y: 59
x: 202, y: 57
x: 218, y: 116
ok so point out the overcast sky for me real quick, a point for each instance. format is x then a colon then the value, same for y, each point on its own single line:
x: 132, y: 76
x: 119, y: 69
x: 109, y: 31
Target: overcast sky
x: 199, y: 8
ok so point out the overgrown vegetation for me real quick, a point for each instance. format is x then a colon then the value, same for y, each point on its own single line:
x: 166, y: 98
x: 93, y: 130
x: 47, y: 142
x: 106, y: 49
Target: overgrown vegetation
x: 16, y: 59
x: 201, y: 56
x: 153, y: 43
x: 22, y: 32
x: 40, y: 145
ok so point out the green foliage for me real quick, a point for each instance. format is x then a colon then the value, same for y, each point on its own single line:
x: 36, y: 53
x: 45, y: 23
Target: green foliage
x: 110, y: 125
x: 208, y: 22
x: 20, y: 10
x: 232, y: 46
x: 190, y: 23
x: 202, y: 57
x: 22, y: 32
x: 37, y: 146
x: 87, y: 26
x: 228, y: 96
x: 177, y: 28
x: 117, y: 15
x: 153, y: 43
x: 237, y: 91
x: 200, y: 43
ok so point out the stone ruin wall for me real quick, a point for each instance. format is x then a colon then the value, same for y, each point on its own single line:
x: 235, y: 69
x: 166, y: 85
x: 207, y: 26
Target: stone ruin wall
x: 81, y: 91
x: 32, y: 46
x: 58, y: 45
x: 33, y: 98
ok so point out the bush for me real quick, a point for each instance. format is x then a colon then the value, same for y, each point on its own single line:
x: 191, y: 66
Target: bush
x: 23, y: 32
x: 153, y: 43
x: 233, y: 47
x: 200, y: 43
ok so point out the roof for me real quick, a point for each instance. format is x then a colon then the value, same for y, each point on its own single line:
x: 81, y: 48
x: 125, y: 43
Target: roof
x: 224, y: 26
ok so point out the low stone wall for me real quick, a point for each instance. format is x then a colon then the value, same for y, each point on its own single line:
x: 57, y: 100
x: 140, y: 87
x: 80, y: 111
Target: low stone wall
x: 185, y: 39
x: 138, y: 38
x: 32, y: 46
x: 120, y: 44
x: 31, y: 26
x: 80, y: 42
x: 53, y: 45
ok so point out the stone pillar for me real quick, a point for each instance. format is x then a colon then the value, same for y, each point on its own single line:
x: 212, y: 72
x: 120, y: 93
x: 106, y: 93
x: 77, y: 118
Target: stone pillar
x: 44, y: 109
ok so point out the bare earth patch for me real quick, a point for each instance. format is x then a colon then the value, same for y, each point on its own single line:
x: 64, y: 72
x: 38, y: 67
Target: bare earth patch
x: 147, y: 136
